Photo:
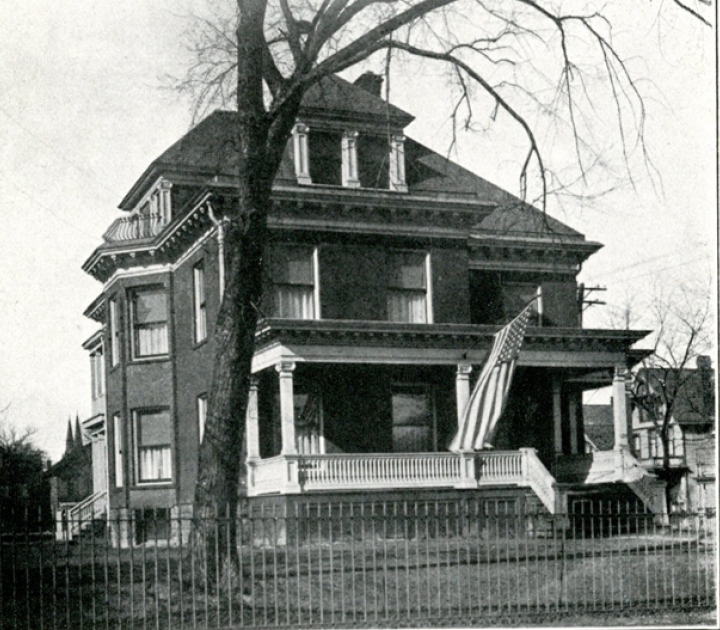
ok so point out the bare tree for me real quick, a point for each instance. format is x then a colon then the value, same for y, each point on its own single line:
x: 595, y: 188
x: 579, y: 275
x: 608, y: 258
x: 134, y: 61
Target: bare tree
x: 664, y: 380
x: 265, y: 54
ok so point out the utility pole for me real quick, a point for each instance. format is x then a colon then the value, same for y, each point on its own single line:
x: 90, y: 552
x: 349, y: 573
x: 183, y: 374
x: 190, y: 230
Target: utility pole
x: 583, y: 301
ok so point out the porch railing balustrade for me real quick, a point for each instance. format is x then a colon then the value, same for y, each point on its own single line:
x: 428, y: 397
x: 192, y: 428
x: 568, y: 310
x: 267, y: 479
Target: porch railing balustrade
x: 295, y: 474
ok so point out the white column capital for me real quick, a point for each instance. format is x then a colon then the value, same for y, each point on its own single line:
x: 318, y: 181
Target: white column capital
x: 464, y: 370
x: 285, y: 368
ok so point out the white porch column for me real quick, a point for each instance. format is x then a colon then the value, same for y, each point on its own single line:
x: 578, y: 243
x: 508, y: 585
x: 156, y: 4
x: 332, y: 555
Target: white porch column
x: 462, y: 388
x: 619, y: 398
x: 287, y: 407
x: 252, y: 430
x: 397, y: 164
x: 557, y: 413
x: 300, y: 153
x: 349, y: 160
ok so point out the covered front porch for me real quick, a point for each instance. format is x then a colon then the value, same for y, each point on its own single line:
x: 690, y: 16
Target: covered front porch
x: 357, y: 416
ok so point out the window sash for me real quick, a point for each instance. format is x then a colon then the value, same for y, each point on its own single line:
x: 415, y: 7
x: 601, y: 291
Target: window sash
x: 118, y: 452
x: 153, y: 436
x: 294, y: 301
x: 150, y: 326
x: 114, y: 333
x: 200, y: 303
x: 201, y: 416
x: 155, y: 463
x: 408, y: 306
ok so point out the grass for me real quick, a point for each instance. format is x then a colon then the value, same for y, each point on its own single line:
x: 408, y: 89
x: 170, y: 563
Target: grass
x: 369, y: 581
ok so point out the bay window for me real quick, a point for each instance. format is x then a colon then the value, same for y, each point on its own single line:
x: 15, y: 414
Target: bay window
x: 150, y: 323
x: 153, y: 436
x: 407, y: 294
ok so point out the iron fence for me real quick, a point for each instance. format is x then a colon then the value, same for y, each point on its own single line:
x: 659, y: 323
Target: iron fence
x: 420, y: 563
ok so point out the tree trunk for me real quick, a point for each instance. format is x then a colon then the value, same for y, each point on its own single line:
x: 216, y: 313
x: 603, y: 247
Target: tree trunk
x: 260, y: 140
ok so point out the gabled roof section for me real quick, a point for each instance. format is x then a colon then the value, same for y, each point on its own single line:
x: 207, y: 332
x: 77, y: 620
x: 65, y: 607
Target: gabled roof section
x: 337, y: 97
x: 430, y: 172
x: 513, y: 217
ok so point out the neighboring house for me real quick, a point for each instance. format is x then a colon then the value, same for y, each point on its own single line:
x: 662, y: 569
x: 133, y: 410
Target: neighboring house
x: 388, y: 270
x: 71, y: 479
x: 691, y: 473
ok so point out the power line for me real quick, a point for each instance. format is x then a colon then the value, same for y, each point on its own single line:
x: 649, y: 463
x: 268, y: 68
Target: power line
x: 64, y: 158
x: 57, y: 216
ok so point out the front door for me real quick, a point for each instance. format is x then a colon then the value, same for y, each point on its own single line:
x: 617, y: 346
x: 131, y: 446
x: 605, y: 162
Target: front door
x: 413, y: 419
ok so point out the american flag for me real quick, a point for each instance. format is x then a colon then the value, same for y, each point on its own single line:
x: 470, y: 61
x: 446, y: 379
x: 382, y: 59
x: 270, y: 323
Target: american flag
x: 487, y: 401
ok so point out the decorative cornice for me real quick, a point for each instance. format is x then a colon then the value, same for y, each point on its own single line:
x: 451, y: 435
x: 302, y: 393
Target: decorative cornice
x: 324, y: 332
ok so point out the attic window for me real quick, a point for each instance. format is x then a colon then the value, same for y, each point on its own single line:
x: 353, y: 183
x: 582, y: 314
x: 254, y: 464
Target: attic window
x: 373, y: 156
x: 325, y: 152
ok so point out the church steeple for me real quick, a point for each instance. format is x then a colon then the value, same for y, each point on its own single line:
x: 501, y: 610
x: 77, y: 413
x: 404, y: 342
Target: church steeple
x: 69, y: 439
x: 78, y: 434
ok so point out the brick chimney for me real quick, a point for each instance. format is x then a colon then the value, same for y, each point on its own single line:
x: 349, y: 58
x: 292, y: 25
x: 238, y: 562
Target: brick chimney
x: 370, y: 82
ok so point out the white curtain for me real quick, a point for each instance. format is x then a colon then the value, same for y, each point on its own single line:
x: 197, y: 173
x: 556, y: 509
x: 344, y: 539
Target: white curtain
x: 407, y: 306
x: 152, y: 339
x: 155, y: 463
x: 295, y: 302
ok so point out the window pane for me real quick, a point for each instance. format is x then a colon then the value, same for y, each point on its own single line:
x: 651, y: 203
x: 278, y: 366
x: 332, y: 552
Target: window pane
x: 407, y: 270
x: 407, y: 306
x: 202, y: 414
x: 154, y: 428
x: 153, y: 446
x: 152, y: 340
x: 293, y: 265
x: 200, y: 308
x: 150, y: 307
x: 155, y: 463
x: 294, y: 302
x: 325, y: 149
x: 373, y: 155
x: 413, y: 424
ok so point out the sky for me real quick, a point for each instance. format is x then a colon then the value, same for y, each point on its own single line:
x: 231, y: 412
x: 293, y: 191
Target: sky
x: 83, y: 112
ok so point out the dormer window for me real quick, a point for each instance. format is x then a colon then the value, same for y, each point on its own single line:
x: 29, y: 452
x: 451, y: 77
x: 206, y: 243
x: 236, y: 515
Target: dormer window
x: 325, y: 156
x: 349, y: 159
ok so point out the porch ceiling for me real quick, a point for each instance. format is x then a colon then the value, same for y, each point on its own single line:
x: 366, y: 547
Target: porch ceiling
x: 386, y: 342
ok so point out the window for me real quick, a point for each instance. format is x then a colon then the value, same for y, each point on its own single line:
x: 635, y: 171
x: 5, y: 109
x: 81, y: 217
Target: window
x: 97, y: 373
x: 407, y: 296
x: 150, y: 334
x: 325, y: 149
x: 202, y: 402
x: 413, y: 419
x: 294, y: 275
x: 373, y: 158
x: 114, y: 333
x: 200, y: 302
x: 118, y: 451
x: 153, y: 444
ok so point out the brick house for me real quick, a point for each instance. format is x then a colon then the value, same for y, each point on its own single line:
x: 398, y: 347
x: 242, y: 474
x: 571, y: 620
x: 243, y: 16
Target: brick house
x: 388, y: 270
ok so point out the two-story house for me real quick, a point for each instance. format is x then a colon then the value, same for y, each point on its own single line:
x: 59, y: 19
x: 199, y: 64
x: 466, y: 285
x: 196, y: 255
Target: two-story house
x: 388, y: 270
x: 689, y: 469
